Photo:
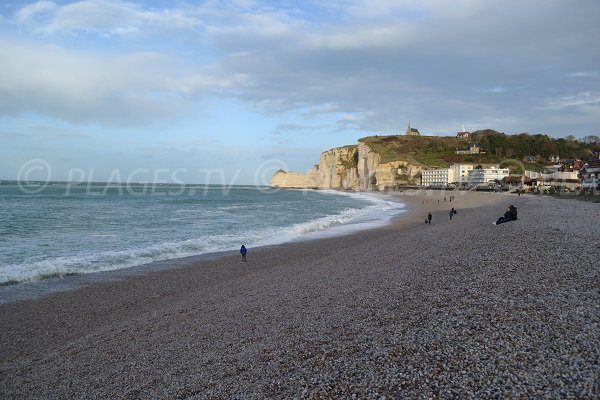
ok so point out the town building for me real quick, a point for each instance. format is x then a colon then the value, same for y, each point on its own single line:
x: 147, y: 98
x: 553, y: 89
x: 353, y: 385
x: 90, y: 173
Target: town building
x: 557, y: 178
x: 517, y: 181
x: 460, y: 173
x: 463, y: 134
x: 554, y: 159
x: 531, y: 159
x: 590, y: 175
x: 474, y: 148
x: 456, y: 174
x: 436, y: 177
x: 485, y: 176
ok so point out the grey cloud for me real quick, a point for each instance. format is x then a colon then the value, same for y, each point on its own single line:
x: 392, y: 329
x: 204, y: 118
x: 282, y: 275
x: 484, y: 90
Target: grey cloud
x: 382, y: 63
x: 429, y: 70
x: 104, y: 17
x: 294, y: 127
x: 120, y: 90
x: 582, y: 74
x: 579, y: 99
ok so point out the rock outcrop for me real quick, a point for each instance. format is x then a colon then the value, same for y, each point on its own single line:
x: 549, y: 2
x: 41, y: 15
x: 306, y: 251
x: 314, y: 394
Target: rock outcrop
x: 354, y: 167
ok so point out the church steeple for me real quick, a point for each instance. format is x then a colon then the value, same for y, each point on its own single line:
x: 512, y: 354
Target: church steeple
x: 412, y: 131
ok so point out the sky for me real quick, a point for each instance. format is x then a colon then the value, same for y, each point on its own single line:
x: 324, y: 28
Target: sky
x: 228, y: 92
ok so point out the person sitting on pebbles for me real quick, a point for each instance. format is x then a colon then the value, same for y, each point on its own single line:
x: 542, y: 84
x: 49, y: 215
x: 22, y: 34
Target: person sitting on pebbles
x: 509, y: 215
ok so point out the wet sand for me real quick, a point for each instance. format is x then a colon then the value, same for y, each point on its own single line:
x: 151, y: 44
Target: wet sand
x: 458, y: 308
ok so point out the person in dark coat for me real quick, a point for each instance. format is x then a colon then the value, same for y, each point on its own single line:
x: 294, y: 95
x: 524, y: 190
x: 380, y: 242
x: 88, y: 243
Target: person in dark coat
x: 243, y: 252
x: 429, y: 218
x: 451, y: 213
x: 509, y: 215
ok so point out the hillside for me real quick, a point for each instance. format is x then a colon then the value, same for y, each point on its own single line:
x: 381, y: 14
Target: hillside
x: 440, y: 151
x: 379, y: 162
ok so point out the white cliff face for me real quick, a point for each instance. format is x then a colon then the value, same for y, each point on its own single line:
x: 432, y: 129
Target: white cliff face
x: 367, y: 165
x: 337, y: 168
x: 349, y: 167
x: 395, y: 173
x: 291, y: 180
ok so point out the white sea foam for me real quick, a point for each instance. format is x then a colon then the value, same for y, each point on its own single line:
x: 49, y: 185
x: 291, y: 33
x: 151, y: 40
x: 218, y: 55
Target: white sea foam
x: 379, y: 213
x: 348, y: 220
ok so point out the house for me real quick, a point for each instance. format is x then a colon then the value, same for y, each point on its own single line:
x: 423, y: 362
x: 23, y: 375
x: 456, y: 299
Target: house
x: 517, y: 181
x: 531, y: 159
x: 463, y: 134
x: 474, y: 148
x: 554, y: 159
x: 590, y: 175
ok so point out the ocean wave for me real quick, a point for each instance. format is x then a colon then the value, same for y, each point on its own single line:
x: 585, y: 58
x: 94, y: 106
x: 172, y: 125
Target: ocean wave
x: 377, y: 213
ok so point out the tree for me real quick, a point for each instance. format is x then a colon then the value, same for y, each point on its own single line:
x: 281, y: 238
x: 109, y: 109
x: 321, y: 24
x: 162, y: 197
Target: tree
x: 570, y: 138
x: 549, y: 149
x: 591, y: 139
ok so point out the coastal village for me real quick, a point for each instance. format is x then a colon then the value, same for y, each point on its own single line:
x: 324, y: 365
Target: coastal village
x: 463, y: 162
x: 559, y: 175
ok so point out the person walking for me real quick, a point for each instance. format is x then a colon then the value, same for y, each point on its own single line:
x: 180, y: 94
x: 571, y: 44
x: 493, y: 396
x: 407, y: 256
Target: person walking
x: 451, y: 213
x: 243, y: 252
x: 429, y: 218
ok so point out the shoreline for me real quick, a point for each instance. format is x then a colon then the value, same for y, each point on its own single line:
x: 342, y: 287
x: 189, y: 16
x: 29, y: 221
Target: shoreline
x: 28, y: 290
x: 178, y: 227
x: 406, y: 307
x: 23, y: 291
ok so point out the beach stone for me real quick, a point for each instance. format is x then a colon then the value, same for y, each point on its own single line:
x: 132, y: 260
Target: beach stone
x: 453, y: 310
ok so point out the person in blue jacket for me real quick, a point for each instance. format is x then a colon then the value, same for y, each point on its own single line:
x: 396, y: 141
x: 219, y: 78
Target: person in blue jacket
x: 243, y: 252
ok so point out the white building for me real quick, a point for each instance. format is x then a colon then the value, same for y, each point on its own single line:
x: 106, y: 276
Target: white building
x: 483, y: 177
x: 436, y: 177
x: 568, y: 180
x: 591, y: 175
x: 456, y: 174
x: 461, y: 173
x: 554, y: 176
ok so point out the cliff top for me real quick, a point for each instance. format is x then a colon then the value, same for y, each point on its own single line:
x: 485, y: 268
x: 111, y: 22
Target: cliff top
x: 440, y: 151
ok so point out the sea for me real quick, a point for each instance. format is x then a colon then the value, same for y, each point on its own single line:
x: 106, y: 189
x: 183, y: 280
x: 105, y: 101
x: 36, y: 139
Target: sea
x: 56, y: 229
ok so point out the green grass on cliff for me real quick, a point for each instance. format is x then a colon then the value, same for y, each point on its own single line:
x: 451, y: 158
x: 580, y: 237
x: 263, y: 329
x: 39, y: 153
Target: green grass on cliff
x: 426, y: 150
x: 440, y: 151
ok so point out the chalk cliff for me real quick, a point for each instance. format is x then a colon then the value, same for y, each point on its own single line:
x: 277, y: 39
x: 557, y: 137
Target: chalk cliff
x: 354, y: 167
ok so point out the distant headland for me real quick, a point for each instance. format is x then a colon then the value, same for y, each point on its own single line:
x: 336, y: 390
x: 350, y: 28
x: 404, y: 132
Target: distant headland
x: 390, y: 162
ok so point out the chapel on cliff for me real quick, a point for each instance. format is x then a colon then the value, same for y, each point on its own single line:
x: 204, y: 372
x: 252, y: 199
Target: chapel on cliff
x: 412, y: 131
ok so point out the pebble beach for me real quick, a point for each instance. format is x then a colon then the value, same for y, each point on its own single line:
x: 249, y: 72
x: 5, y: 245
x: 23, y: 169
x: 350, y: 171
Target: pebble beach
x: 455, y: 309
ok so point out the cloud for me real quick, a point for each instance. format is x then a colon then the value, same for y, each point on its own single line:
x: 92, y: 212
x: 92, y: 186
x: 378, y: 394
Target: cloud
x: 574, y: 100
x: 52, y: 132
x: 105, y: 17
x: 37, y: 10
x: 130, y: 89
x: 496, y: 89
x: 582, y: 74
x: 385, y: 61
x: 295, y: 127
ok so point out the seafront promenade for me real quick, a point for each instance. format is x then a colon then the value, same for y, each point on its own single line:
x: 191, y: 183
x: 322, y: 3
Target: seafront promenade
x: 455, y: 309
